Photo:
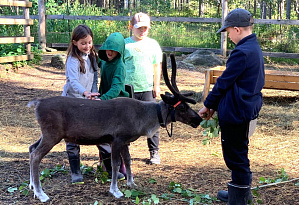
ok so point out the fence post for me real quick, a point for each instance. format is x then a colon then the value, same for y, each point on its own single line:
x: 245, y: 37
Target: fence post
x: 223, y: 48
x: 27, y: 30
x: 42, y: 24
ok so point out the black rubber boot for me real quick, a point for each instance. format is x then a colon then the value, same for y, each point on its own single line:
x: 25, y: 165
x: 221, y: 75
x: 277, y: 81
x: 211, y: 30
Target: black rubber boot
x: 238, y: 194
x: 105, y: 157
x: 73, y: 152
x: 223, y: 195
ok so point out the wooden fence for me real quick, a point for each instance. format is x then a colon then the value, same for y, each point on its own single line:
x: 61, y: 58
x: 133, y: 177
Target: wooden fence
x: 26, y: 39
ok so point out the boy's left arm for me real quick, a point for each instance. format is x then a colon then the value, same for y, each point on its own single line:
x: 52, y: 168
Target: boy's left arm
x: 117, y: 83
x: 157, y: 79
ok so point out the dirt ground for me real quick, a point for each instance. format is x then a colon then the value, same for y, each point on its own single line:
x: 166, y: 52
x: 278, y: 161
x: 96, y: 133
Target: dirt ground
x: 184, y: 159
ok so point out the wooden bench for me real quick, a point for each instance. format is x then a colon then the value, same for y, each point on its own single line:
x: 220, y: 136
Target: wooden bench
x: 280, y: 80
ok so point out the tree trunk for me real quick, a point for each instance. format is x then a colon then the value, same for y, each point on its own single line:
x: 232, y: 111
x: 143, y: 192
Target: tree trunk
x: 263, y: 10
x: 288, y: 14
x: 270, y: 11
x: 254, y: 7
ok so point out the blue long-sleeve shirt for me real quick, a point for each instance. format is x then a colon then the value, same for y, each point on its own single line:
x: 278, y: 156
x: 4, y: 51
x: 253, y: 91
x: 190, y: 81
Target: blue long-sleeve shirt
x: 237, y: 96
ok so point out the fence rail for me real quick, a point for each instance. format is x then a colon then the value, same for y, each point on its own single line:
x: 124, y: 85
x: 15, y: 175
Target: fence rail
x: 20, y: 20
x: 153, y: 18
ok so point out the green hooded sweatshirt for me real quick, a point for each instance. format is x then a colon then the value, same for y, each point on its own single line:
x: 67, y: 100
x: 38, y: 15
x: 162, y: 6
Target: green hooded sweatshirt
x: 113, y: 73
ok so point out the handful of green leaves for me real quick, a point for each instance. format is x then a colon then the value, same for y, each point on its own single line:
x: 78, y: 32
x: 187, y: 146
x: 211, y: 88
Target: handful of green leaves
x: 211, y: 131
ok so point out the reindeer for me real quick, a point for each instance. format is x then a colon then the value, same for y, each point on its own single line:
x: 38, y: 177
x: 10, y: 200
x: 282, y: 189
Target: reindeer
x: 119, y: 122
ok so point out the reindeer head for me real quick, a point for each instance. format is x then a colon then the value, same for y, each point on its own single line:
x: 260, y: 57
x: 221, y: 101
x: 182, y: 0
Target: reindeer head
x: 177, y: 102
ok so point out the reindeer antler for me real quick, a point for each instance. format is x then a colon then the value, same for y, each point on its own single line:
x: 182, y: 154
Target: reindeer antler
x: 173, y: 88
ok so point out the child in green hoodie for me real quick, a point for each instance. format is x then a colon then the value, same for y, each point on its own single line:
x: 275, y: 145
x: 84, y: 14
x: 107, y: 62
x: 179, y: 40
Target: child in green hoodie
x: 113, y: 72
x: 112, y: 85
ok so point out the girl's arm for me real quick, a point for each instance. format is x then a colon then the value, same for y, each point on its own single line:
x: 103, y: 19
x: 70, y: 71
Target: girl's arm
x: 73, y: 69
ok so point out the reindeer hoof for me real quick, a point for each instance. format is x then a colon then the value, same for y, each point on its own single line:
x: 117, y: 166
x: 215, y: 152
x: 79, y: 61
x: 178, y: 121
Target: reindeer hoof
x: 132, y: 185
x: 116, y: 193
x: 42, y: 196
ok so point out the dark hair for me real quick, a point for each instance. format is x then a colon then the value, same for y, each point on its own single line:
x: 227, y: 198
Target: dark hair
x: 82, y: 31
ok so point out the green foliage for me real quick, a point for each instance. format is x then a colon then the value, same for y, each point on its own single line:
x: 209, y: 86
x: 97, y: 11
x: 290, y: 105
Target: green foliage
x: 152, y: 181
x: 257, y: 195
x: 16, y: 49
x: 100, y: 174
x: 48, y: 173
x: 211, y: 131
x: 24, y: 188
x: 286, y: 61
x: 282, y: 176
x: 190, y: 195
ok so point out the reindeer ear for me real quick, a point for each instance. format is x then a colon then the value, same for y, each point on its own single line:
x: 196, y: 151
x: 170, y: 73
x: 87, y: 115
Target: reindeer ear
x: 168, y: 93
x: 188, y: 94
x: 168, y: 98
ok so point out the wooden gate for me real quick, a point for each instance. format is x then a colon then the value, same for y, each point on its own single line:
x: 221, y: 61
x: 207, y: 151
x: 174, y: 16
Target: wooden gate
x: 26, y: 39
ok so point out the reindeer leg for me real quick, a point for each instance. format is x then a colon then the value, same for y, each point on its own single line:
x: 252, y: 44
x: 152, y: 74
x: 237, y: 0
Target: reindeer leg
x: 33, y: 146
x: 116, y: 161
x: 36, y: 156
x: 125, y: 153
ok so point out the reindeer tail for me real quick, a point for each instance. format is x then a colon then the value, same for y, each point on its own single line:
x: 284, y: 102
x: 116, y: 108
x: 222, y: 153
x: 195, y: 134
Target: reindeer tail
x: 33, y: 103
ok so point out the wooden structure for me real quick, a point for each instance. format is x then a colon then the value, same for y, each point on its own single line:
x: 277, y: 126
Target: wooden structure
x: 280, y: 80
x: 26, y: 21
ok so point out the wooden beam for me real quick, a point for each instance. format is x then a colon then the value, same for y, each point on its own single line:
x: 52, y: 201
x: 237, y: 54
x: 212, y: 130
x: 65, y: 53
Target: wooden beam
x: 15, y: 3
x: 6, y: 40
x: 42, y: 24
x: 11, y: 21
x: 8, y: 59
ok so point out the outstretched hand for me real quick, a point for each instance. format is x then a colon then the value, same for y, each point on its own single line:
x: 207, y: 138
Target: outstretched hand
x: 206, y: 113
x: 90, y: 95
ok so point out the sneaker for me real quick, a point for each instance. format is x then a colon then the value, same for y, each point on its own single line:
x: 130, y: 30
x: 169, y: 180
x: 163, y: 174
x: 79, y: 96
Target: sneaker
x: 154, y: 157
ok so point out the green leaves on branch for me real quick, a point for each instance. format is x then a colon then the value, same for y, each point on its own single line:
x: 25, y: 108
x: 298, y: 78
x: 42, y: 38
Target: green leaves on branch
x: 282, y: 176
x: 189, y: 195
x: 211, y: 131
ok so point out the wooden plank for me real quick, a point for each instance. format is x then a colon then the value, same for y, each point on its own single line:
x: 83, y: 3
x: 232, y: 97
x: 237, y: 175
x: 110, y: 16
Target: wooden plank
x: 9, y: 59
x: 25, y: 3
x: 281, y: 78
x: 276, y: 21
x: 42, y: 24
x: 206, y: 86
x: 27, y: 30
x: 282, y: 85
x: 12, y: 21
x: 167, y: 19
x: 281, y: 54
x: 6, y: 40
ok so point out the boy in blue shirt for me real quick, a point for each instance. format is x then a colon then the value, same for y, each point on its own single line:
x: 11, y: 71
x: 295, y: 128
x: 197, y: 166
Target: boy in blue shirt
x: 237, y: 98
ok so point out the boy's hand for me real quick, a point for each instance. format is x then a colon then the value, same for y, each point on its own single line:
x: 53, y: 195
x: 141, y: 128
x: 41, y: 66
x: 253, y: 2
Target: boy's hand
x: 206, y: 113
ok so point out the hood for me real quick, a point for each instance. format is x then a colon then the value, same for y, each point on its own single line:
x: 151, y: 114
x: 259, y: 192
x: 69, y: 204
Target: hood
x: 114, y: 42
